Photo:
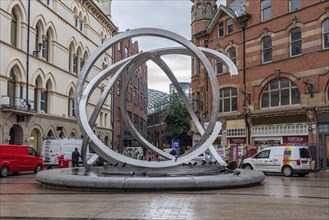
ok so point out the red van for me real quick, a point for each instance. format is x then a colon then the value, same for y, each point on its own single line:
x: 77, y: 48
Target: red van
x: 16, y: 158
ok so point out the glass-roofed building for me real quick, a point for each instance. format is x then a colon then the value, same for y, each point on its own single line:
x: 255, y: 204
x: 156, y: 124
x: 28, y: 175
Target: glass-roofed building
x: 158, y: 102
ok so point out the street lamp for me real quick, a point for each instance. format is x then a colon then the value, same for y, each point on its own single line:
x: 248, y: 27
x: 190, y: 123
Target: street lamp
x: 37, y: 51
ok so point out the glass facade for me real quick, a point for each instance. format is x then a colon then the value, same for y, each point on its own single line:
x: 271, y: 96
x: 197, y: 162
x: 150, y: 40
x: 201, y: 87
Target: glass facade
x: 186, y: 86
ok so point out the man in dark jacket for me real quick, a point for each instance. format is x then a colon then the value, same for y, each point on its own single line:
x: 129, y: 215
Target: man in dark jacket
x: 75, y: 158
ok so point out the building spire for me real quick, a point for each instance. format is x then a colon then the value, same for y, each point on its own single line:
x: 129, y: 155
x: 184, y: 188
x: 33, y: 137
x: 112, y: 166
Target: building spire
x: 203, y: 9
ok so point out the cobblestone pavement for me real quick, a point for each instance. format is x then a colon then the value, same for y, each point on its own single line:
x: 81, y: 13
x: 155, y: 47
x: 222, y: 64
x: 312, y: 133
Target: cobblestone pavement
x: 278, y: 197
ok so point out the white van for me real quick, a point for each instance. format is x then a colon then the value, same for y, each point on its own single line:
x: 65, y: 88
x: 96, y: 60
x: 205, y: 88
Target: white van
x: 288, y: 160
x: 54, y: 147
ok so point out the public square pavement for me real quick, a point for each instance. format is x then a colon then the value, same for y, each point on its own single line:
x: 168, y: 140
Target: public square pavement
x: 278, y: 197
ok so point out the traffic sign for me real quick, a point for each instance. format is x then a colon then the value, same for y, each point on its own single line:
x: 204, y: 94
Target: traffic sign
x: 175, y: 144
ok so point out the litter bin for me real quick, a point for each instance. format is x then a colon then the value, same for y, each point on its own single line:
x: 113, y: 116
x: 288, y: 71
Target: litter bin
x: 66, y: 163
x: 60, y: 161
x: 63, y: 163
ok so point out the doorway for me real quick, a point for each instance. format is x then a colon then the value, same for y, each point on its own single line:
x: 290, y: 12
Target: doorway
x: 324, y: 151
x: 16, y: 134
x: 323, y: 146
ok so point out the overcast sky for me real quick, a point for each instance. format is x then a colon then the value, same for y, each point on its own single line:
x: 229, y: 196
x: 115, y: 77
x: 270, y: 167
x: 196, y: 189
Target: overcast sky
x: 171, y: 15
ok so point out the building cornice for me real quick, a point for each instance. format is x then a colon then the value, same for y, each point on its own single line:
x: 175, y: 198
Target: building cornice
x: 99, y: 15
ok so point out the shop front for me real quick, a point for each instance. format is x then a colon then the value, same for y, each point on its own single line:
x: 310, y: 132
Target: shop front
x: 279, y: 134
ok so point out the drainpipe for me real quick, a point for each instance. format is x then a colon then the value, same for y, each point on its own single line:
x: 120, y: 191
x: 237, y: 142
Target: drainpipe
x: 28, y: 56
x: 244, y: 81
x: 112, y: 103
x: 243, y: 21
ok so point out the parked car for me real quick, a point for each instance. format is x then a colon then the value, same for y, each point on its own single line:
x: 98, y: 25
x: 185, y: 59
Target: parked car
x: 17, y: 158
x: 288, y: 160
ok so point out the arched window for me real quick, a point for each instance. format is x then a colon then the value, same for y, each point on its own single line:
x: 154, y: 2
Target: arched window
x: 106, y: 140
x: 14, y: 29
x: 326, y: 33
x: 75, y: 64
x: 76, y: 22
x: 49, y: 88
x: 295, y: 41
x: 78, y: 60
x: 36, y: 96
x: 45, y: 46
x: 280, y: 92
x: 44, y: 100
x: 232, y: 54
x: 228, y: 100
x: 50, y: 133
x: 81, y: 25
x: 82, y: 63
x: 73, y: 134
x: 12, y: 89
x: 71, y: 59
x: 83, y: 60
x: 37, y: 40
x: 267, y: 49
x: 71, y: 105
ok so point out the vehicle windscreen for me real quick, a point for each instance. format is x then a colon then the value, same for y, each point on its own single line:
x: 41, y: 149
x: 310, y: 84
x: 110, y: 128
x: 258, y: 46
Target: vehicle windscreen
x: 304, y: 153
x: 32, y: 152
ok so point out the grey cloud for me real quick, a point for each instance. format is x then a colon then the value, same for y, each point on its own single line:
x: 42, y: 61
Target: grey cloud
x: 171, y: 15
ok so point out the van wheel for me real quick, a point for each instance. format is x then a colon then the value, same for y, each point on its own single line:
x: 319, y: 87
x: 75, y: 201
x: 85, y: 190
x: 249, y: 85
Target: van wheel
x: 247, y: 167
x: 38, y: 168
x: 287, y: 171
x: 4, y: 171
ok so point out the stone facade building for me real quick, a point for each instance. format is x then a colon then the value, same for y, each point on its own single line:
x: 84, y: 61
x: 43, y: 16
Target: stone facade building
x: 43, y: 46
x: 281, y: 49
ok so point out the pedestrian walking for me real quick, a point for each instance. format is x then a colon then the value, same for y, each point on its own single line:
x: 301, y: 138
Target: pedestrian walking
x: 75, y: 158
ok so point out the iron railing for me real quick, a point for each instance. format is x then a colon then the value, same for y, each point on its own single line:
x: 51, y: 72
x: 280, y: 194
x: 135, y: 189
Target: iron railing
x: 17, y: 103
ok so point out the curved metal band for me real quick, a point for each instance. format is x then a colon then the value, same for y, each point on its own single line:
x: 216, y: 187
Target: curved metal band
x: 81, y: 100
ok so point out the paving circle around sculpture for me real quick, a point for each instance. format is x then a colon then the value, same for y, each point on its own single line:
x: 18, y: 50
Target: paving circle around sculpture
x: 96, y: 180
x: 129, y: 65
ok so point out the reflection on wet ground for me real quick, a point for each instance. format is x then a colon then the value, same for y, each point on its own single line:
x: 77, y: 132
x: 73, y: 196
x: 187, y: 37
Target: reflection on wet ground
x: 278, y: 197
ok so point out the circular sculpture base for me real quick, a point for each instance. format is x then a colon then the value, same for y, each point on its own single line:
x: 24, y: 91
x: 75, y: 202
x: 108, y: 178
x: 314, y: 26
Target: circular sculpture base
x: 132, y: 179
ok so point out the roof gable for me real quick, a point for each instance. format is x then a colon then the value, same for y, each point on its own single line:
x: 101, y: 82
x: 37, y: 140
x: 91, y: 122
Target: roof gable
x: 235, y: 10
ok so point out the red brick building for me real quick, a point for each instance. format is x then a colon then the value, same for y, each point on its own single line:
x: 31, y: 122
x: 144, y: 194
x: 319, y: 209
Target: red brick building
x: 281, y: 49
x: 136, y: 99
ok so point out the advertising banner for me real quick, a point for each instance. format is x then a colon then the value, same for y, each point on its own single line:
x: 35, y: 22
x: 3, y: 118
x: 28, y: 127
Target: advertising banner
x: 240, y: 140
x: 295, y: 139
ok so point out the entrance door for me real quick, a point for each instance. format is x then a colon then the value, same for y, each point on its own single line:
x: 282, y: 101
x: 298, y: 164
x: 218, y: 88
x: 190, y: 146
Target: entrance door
x: 324, y: 151
x: 16, y: 134
x: 36, y: 141
x: 12, y: 136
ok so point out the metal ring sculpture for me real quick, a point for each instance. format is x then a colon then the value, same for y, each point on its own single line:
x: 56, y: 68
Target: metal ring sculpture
x: 131, y: 64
